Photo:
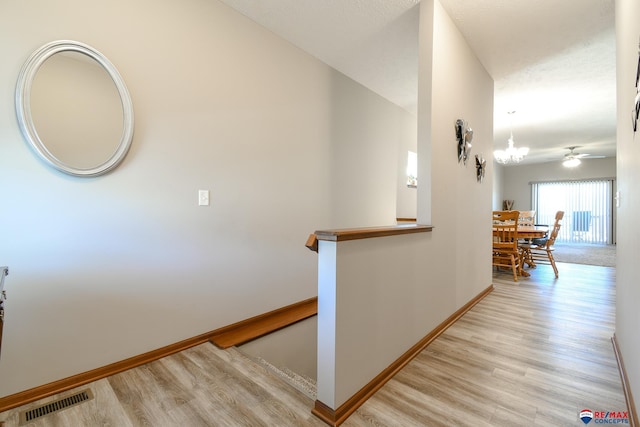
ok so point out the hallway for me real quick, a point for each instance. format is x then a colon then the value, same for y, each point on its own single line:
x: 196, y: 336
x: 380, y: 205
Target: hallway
x: 536, y: 352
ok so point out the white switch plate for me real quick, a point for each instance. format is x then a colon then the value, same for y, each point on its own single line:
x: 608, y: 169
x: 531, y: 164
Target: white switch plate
x: 203, y: 197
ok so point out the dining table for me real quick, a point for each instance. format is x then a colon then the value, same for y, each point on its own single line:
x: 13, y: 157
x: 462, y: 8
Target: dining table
x: 530, y: 232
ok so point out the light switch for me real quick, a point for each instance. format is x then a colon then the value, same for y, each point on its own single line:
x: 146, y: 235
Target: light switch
x: 203, y: 197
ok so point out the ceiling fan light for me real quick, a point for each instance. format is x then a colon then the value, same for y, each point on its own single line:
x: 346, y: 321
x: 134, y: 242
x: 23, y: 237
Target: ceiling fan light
x: 571, y: 163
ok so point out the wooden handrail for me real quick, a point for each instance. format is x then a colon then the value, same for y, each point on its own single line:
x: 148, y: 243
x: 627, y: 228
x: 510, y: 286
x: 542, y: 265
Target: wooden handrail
x: 340, y: 235
x: 263, y: 324
x: 312, y: 243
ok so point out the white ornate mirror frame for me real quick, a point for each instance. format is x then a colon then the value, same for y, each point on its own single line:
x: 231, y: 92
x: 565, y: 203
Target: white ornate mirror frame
x: 24, y: 113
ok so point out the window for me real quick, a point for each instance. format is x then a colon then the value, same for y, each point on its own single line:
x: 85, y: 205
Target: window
x: 412, y: 169
x: 587, y: 206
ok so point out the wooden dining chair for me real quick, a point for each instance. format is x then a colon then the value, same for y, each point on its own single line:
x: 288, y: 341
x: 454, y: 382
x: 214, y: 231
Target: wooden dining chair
x: 527, y: 218
x: 506, y: 253
x: 540, y: 251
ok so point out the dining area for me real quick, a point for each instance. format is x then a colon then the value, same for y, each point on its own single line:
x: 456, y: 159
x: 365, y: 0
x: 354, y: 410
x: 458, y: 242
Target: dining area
x: 519, y: 244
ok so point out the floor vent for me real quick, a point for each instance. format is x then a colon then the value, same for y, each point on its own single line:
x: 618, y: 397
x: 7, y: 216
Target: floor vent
x: 55, y: 406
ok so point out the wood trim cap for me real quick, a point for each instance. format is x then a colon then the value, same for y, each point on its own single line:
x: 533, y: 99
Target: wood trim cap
x: 340, y: 235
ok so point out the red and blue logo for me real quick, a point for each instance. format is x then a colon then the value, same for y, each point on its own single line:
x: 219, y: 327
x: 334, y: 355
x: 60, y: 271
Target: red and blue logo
x: 586, y: 416
x: 604, y: 417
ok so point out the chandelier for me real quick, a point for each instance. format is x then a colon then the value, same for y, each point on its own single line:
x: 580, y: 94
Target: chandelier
x: 511, y: 154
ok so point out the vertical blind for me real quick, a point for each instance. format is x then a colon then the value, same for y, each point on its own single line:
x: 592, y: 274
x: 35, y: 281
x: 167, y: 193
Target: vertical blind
x: 587, y: 206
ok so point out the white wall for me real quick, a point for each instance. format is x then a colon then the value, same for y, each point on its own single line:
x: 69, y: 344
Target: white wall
x: 292, y: 348
x: 498, y: 185
x: 106, y: 268
x: 456, y: 205
x: 414, y: 282
x: 375, y: 301
x: 516, y: 178
x: 365, y: 133
x: 628, y: 166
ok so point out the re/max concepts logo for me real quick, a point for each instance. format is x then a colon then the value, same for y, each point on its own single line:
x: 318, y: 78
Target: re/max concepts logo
x: 604, y: 417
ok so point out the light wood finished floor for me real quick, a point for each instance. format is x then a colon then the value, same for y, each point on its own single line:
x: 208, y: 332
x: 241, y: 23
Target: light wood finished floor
x: 533, y: 353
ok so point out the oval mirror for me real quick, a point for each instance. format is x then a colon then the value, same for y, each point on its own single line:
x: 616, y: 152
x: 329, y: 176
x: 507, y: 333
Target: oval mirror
x: 74, y: 108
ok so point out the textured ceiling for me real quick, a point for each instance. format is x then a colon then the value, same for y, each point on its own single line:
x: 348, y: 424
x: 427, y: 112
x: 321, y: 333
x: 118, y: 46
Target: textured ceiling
x: 553, y: 61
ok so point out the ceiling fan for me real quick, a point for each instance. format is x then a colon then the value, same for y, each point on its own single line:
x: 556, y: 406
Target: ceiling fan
x: 572, y: 159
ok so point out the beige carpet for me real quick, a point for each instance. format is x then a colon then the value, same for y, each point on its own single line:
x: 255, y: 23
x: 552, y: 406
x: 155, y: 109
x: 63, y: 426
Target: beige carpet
x: 603, y: 255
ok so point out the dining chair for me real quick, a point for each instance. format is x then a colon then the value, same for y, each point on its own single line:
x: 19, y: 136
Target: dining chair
x: 540, y: 251
x: 506, y: 253
x: 526, y: 218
